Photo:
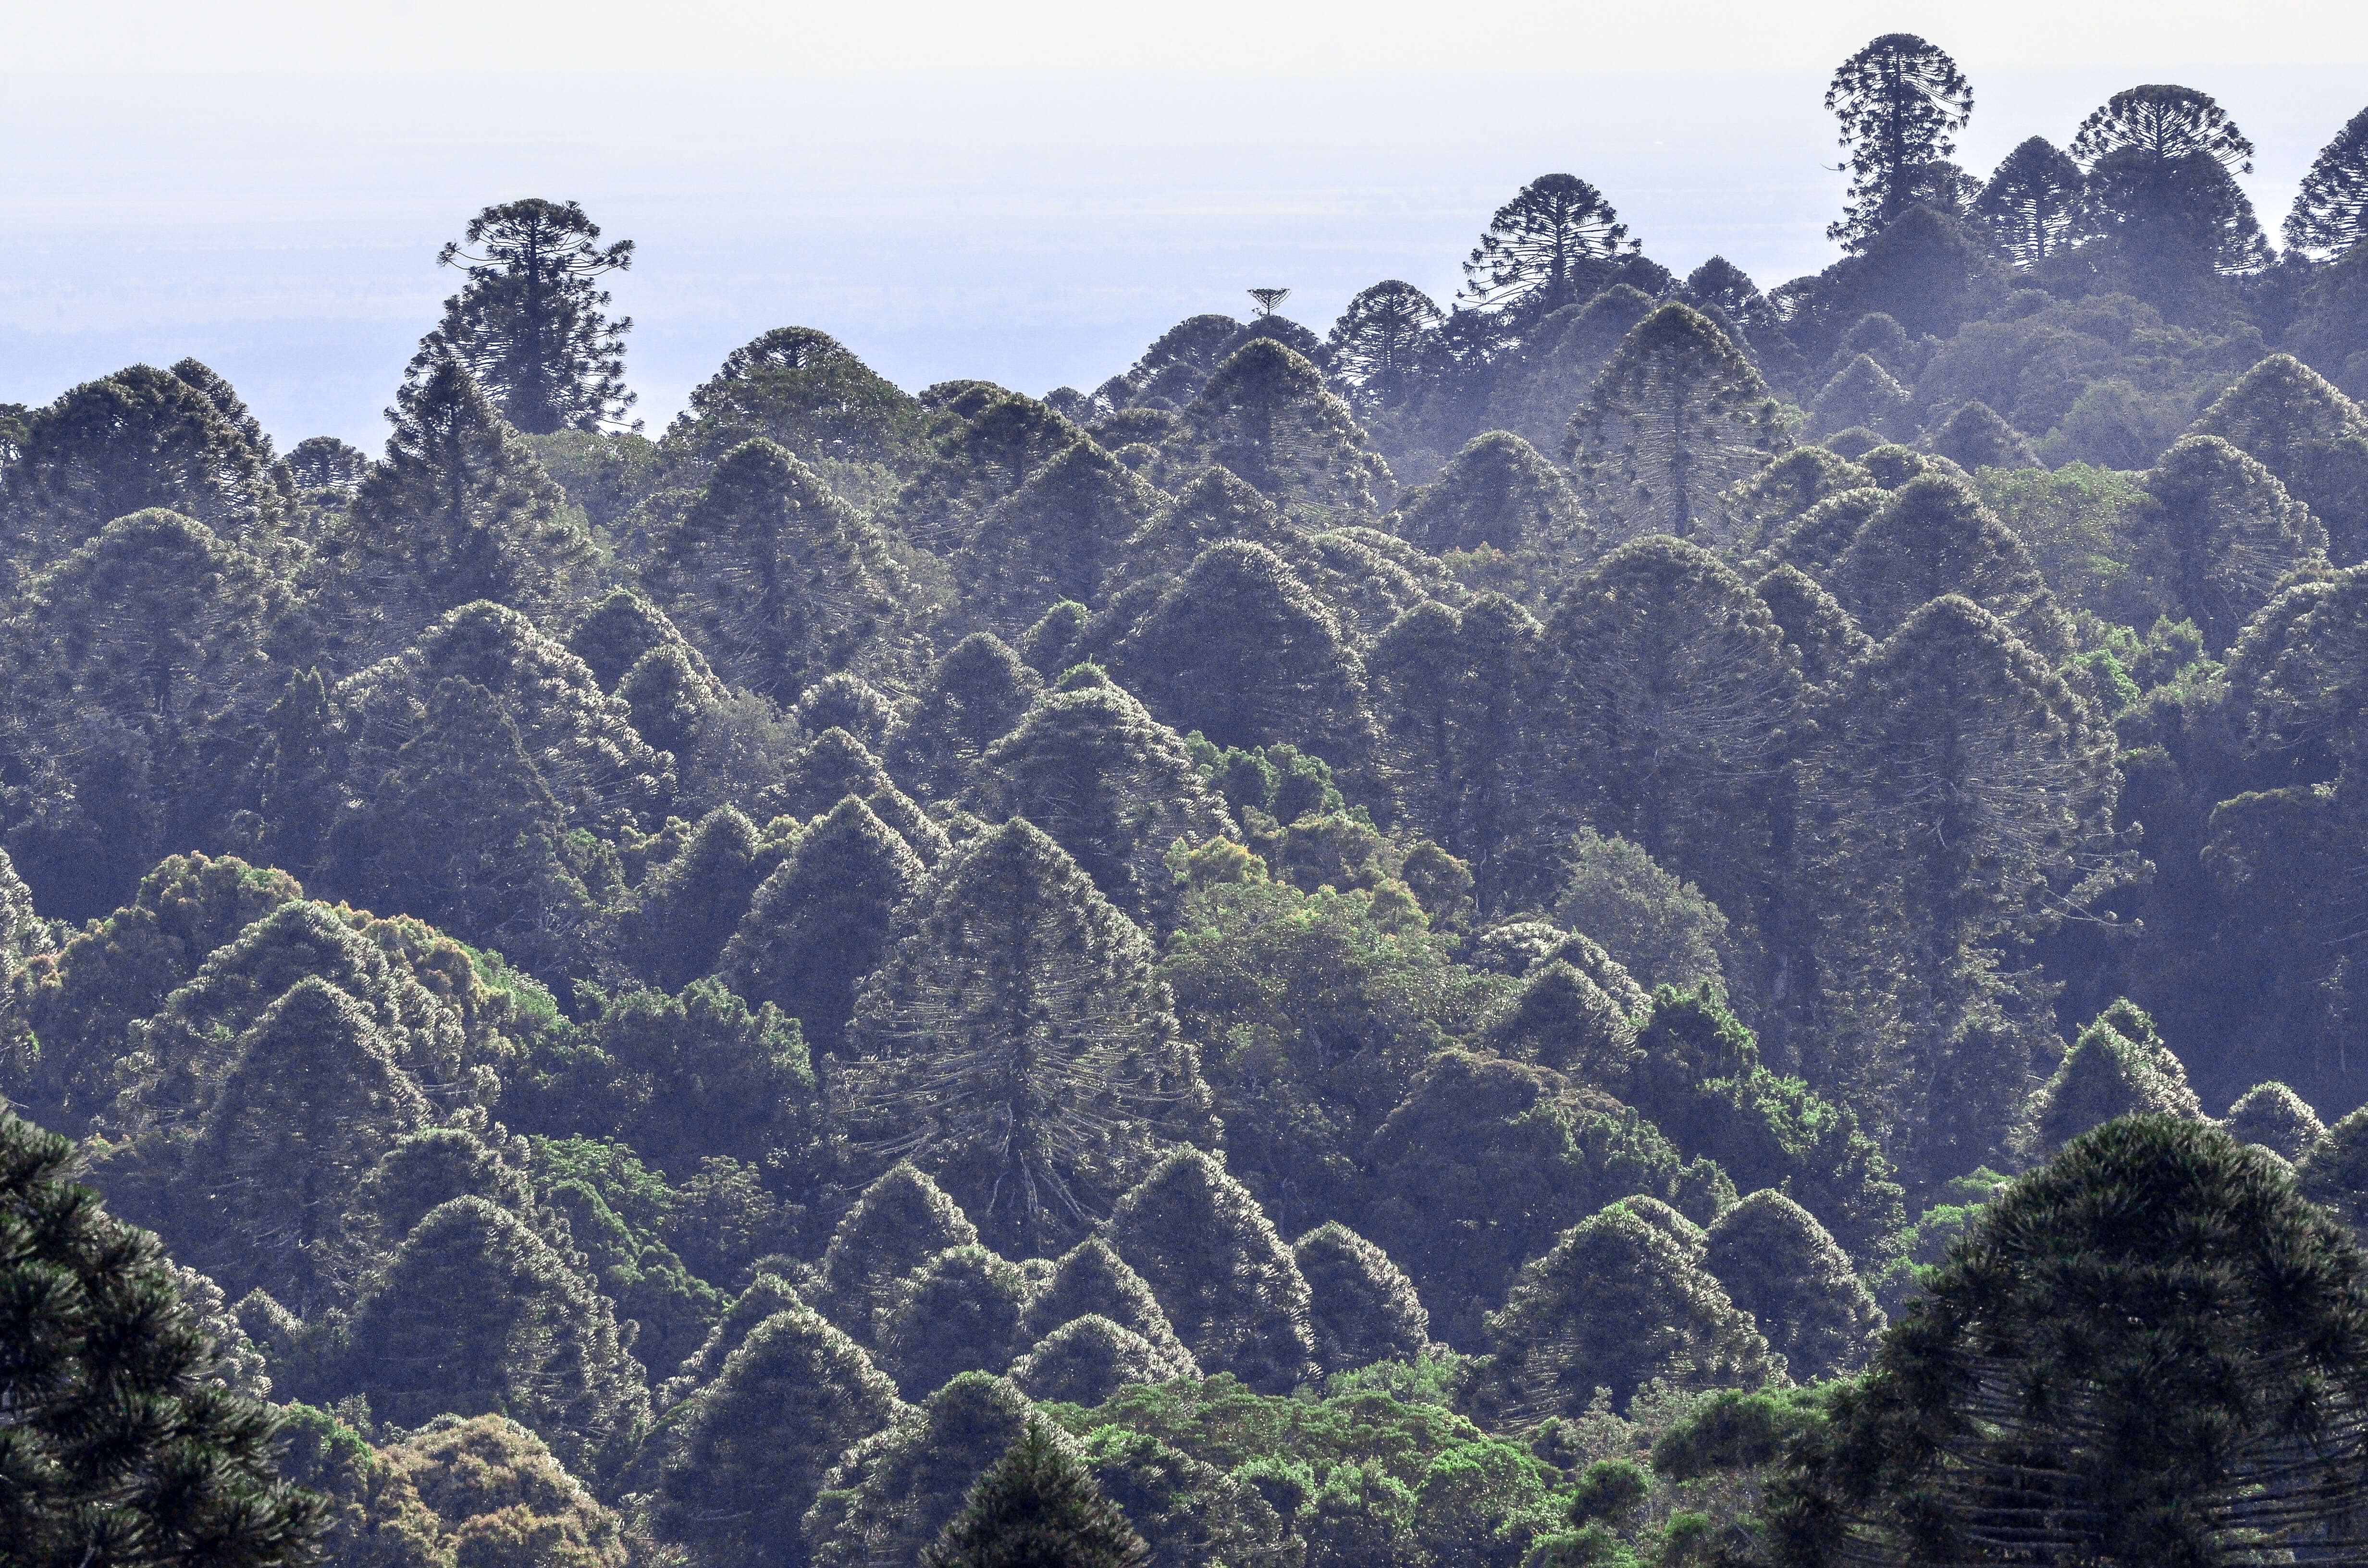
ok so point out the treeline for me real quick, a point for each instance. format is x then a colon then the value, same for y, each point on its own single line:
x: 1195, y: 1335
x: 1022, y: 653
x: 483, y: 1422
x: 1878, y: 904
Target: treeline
x: 1345, y: 931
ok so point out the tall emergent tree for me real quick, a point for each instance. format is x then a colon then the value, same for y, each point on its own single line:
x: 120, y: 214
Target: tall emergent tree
x: 1037, y: 1506
x: 2330, y: 212
x: 1377, y: 344
x: 1551, y: 246
x: 1899, y: 99
x: 2151, y: 1350
x: 530, y: 324
x: 2034, y: 202
x: 2160, y: 160
x: 117, y: 1449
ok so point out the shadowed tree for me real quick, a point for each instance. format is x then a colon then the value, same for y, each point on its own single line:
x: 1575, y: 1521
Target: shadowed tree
x: 615, y: 634
x: 1825, y: 641
x: 683, y: 1077
x: 684, y: 913
x: 846, y: 701
x: 1934, y: 537
x: 120, y: 1448
x: 2118, y: 1067
x: 1037, y: 1505
x: 1559, y: 366
x: 958, y: 1313
x: 327, y: 469
x: 2330, y: 212
x: 1815, y: 539
x: 2160, y: 160
x: 1380, y: 346
x: 901, y: 1221
x: 2287, y: 417
x: 2230, y: 532
x: 743, y: 1459
x: 529, y: 325
x: 1053, y: 538
x: 974, y: 695
x: 2035, y: 203
x: 1778, y: 1264
x: 2277, y: 1118
x: 1863, y: 396
x: 1362, y: 1308
x: 1224, y: 1279
x: 1087, y: 1361
x: 890, y: 1494
x: 1975, y: 437
x: 1092, y: 1280
x: 835, y: 765
x: 821, y: 922
x: 1677, y: 416
x: 999, y: 440
x: 1017, y: 1043
x: 228, y: 404
x: 1616, y: 1302
x: 1215, y: 507
x: 1900, y: 101
x: 1267, y: 417
x: 1551, y: 246
x: 2157, y: 1281
x: 1762, y: 507
x: 779, y: 581
x: 1496, y: 491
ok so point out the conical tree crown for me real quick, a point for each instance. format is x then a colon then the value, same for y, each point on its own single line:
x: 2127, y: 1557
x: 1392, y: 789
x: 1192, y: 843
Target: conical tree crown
x: 1863, y: 395
x: 1001, y: 439
x: 1088, y: 1359
x: 686, y: 911
x: 1825, y: 641
x: 901, y: 1221
x: 892, y: 1494
x: 1975, y: 436
x: 959, y: 1312
x: 1577, y: 342
x: 1362, y: 1307
x: 1224, y: 1278
x: 821, y: 921
x: 767, y: 1295
x: 2228, y: 531
x: 1092, y: 1280
x: 1018, y: 1042
x: 424, y: 1170
x: 2277, y: 1118
x: 1240, y: 650
x: 1615, y: 1303
x: 1771, y: 500
x: 1214, y: 507
x: 1935, y: 536
x: 1781, y: 1265
x: 2116, y: 1068
x: 779, y: 579
x: 1267, y: 417
x: 1112, y: 786
x: 1564, y: 1020
x: 475, y: 1312
x: 974, y: 695
x: 746, y: 1456
x: 1496, y: 491
x: 1054, y: 538
x: 835, y: 765
x: 2290, y: 419
x: 1815, y: 539
x: 616, y: 634
x: 1038, y: 1508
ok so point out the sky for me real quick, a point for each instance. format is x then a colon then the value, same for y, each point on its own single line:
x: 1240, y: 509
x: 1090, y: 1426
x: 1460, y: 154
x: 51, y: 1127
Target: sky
x: 1027, y: 193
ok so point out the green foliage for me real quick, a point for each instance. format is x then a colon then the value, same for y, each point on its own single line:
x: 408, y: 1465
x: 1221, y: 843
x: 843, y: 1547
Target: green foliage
x: 958, y: 1313
x: 2275, y: 1118
x: 899, y: 1223
x: 1782, y: 1267
x: 1036, y: 1505
x: 2118, y: 1067
x: 1662, y: 930
x: 1092, y: 1280
x: 1361, y: 1307
x: 2286, y: 416
x: 895, y: 1491
x: 1265, y: 417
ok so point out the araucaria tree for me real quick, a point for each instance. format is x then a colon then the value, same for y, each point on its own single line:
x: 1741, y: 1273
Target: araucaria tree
x: 1551, y: 246
x: 529, y: 322
x: 2330, y: 212
x: 2034, y: 202
x: 1899, y: 101
x: 1377, y: 345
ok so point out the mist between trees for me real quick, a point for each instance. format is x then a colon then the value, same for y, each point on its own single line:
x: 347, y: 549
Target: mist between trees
x: 1620, y: 920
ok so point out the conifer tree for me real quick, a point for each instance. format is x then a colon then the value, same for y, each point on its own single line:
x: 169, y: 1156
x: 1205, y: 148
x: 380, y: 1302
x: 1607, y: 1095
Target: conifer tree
x: 1109, y: 784
x: 2183, y: 1288
x: 686, y: 911
x: 2285, y: 415
x: 1934, y: 537
x: 808, y: 392
x: 846, y: 701
x: 119, y: 1448
x: 742, y: 1459
x: 1362, y: 1308
x: 836, y: 764
x: 1778, y: 1264
x: 1677, y: 416
x: 475, y: 1313
x: 767, y: 1295
x: 703, y: 1073
x: 779, y: 581
x: 990, y: 452
x: 1825, y: 641
x: 1018, y: 1043
x: 1551, y: 246
x: 459, y: 509
x: 1240, y: 651
x: 1037, y: 1505
x: 302, y: 766
x: 1975, y: 437
x: 2275, y: 1118
x: 2160, y: 159
x: 1226, y: 1280
x: 424, y: 1170
x: 958, y: 1313
x: 1761, y: 508
x: 1380, y: 345
x: 2034, y: 203
x: 224, y: 397
x: 1863, y: 395
x: 1616, y: 1302
x: 901, y: 1221
x: 1561, y: 362
x: 1813, y: 541
x: 1564, y: 1020
x: 821, y: 921
x: 1266, y: 418
x: 1496, y: 491
x: 529, y: 323
x: 974, y: 695
x: 1898, y: 100
x: 1087, y: 1361
x: 1053, y: 538
x: 614, y: 635
x: 327, y: 469
x: 496, y: 1490
x: 373, y: 1516
x: 1092, y: 1280
x: 1053, y: 644
x: 2230, y: 531
x: 2330, y: 212
x: 135, y: 441
x: 2118, y: 1067
x: 893, y: 1493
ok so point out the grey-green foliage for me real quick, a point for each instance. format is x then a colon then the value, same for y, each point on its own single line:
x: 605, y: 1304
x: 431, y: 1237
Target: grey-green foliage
x: 742, y: 1459
x: 901, y: 1221
x: 2277, y: 1118
x: 1092, y: 1280
x: 2118, y: 1067
x: 1563, y: 1019
x: 1661, y: 929
x: 1362, y: 1306
x: 1222, y: 1275
x: 768, y: 1294
x: 1781, y: 1265
x: 1088, y: 1359
x: 1266, y: 416
x: 893, y: 1491
x: 1616, y: 1302
x: 1497, y: 491
x: 958, y: 1313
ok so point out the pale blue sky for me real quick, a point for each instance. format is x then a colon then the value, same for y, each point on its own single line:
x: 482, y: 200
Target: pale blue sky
x: 268, y: 193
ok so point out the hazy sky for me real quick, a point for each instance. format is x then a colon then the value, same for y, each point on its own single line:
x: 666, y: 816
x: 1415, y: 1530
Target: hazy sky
x: 1027, y: 193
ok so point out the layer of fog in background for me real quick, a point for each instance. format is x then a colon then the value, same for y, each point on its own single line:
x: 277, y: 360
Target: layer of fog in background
x: 1035, y: 230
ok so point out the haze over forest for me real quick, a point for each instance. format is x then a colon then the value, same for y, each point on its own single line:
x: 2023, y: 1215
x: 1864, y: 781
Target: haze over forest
x: 1627, y: 892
